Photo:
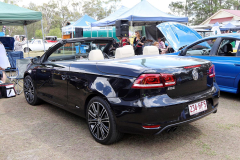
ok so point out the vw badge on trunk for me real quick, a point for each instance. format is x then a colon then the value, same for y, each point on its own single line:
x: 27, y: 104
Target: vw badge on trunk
x: 195, y: 74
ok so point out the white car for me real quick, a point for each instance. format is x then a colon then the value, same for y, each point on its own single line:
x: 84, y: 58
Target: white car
x: 37, y: 45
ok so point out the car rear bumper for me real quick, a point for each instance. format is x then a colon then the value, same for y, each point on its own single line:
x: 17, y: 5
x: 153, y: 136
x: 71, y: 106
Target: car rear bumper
x: 161, y: 110
x: 187, y: 121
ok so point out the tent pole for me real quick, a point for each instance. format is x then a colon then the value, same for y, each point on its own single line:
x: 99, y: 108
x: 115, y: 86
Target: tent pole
x: 91, y: 31
x: 43, y: 35
x: 25, y: 27
x: 156, y: 34
x: 72, y: 31
x: 112, y: 32
x: 132, y: 29
x: 97, y: 32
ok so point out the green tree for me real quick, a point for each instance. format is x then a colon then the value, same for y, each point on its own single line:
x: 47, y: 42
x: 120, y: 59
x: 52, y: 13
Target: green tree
x: 200, y: 10
x: 99, y: 9
x: 49, y: 11
x: 31, y: 28
x: 38, y: 34
x: 55, y: 32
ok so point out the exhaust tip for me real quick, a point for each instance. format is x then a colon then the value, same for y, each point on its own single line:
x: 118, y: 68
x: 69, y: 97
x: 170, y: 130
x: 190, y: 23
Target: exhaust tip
x: 172, y: 129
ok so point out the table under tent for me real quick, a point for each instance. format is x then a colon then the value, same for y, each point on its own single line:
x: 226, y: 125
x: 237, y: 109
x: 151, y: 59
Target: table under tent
x: 143, y: 14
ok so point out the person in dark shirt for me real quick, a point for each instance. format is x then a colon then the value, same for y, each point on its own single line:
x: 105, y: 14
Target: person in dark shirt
x: 138, y: 43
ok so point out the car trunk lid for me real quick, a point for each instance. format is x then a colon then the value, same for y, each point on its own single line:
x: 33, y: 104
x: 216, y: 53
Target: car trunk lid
x: 183, y: 68
x: 190, y: 80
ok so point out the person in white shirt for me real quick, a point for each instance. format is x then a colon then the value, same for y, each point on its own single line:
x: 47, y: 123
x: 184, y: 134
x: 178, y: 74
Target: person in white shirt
x: 18, y: 45
x: 4, y: 63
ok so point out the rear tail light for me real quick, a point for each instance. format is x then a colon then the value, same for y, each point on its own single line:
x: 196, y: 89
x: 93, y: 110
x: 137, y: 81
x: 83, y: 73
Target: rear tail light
x: 211, y: 71
x: 195, y: 66
x: 151, y: 127
x: 151, y: 81
x: 169, y: 80
x: 147, y: 81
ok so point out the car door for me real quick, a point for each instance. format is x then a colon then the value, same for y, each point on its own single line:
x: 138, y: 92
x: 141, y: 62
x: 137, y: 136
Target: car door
x: 227, y: 65
x: 34, y: 46
x: 52, y: 82
x: 52, y: 78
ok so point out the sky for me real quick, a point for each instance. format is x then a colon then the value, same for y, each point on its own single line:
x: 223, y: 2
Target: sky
x: 160, y: 4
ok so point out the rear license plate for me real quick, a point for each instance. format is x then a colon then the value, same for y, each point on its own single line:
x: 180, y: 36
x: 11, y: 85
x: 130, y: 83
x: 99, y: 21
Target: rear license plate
x: 197, y: 107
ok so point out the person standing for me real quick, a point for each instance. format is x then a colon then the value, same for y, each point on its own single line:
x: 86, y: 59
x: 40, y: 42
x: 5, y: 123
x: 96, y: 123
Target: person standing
x: 18, y: 44
x: 138, y: 43
x: 4, y: 63
x: 162, y: 47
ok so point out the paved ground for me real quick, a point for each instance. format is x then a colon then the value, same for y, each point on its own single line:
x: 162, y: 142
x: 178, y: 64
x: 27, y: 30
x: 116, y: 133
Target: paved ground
x: 47, y: 132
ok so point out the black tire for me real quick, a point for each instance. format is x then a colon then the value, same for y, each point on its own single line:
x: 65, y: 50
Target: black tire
x: 30, y: 92
x: 101, y: 123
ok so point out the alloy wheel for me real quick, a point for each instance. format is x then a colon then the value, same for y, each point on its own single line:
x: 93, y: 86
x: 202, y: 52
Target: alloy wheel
x: 29, y: 90
x: 98, y: 121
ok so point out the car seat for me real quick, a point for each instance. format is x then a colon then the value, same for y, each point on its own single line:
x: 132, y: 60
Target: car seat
x: 124, y: 52
x: 95, y: 55
x: 150, y: 50
x: 227, y: 50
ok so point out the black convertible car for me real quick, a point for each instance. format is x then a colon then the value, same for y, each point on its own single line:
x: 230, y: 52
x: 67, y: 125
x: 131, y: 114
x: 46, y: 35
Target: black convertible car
x: 127, y: 94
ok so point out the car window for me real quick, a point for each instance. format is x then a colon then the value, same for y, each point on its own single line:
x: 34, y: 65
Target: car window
x: 35, y: 42
x: 201, y: 49
x: 79, y: 49
x: 228, y: 47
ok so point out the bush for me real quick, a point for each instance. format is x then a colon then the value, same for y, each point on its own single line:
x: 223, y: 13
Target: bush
x: 55, y: 32
x: 38, y: 34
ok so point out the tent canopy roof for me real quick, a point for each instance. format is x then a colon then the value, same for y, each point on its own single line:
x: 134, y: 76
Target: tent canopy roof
x: 229, y: 25
x: 111, y: 17
x: 145, y: 14
x: 13, y: 15
x: 84, y: 22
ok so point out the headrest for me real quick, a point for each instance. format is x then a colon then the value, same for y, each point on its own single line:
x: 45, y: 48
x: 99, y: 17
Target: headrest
x: 95, y: 55
x: 124, y: 52
x: 150, y: 50
x: 128, y: 46
x: 227, y: 48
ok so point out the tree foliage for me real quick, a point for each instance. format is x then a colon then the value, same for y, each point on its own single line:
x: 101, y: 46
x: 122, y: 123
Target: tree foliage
x: 200, y: 10
x: 55, y: 32
x: 56, y: 13
x: 38, y: 33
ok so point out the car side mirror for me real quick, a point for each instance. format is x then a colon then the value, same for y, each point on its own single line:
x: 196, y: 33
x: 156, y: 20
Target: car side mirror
x: 183, y: 52
x: 36, y: 60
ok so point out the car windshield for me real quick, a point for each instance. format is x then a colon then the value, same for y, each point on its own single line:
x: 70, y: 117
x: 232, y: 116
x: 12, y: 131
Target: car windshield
x: 51, y: 38
x: 79, y: 49
x: 37, y: 41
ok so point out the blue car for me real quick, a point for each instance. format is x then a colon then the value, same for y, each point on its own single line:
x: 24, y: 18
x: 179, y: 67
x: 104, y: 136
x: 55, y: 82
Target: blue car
x: 223, y: 50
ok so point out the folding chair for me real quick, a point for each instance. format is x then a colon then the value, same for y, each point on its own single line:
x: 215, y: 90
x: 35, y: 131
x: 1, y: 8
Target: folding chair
x: 12, y: 57
x: 21, y: 65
